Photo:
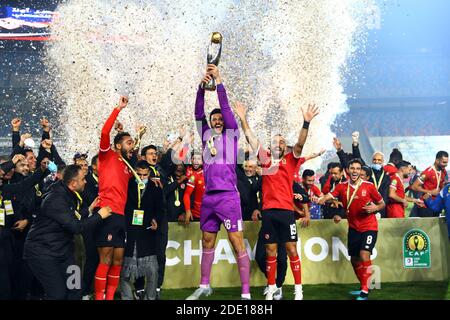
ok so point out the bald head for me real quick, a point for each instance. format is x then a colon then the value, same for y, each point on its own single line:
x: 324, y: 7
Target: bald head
x: 378, y: 158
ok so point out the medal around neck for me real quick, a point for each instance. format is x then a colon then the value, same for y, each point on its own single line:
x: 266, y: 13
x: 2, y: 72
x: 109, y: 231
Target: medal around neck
x: 177, y: 203
x: 141, y: 185
x: 213, y: 57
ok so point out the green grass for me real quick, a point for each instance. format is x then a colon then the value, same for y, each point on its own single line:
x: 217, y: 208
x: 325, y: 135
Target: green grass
x: 388, y: 291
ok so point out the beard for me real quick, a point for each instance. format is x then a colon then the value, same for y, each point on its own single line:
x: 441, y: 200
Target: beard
x: 124, y: 154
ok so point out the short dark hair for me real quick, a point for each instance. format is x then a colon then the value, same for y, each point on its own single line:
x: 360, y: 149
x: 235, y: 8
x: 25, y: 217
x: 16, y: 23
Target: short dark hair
x: 119, y: 137
x: 146, y: 148
x: 26, y: 150
x: 213, y: 112
x: 441, y: 154
x: 367, y: 170
x: 395, y: 156
x: 61, y: 168
x: 354, y: 160
x: 94, y: 159
x: 80, y: 155
x: 336, y: 165
x: 142, y: 164
x: 402, y: 163
x: 70, y: 173
x: 308, y: 173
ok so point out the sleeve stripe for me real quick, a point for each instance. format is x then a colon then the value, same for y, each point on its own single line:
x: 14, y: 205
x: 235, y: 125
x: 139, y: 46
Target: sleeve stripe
x: 299, y: 156
x: 105, y: 150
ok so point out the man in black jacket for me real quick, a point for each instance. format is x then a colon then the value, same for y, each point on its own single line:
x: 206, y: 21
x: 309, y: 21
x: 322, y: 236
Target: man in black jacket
x: 12, y: 220
x: 249, y: 186
x: 89, y: 195
x: 380, y: 178
x: 49, y: 247
x: 143, y: 212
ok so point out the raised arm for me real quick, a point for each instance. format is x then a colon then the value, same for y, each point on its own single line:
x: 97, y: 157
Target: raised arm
x: 200, y: 118
x: 314, y: 155
x: 308, y: 114
x: 343, y: 159
x: 105, y: 142
x: 15, y: 123
x: 241, y: 112
x: 229, y: 122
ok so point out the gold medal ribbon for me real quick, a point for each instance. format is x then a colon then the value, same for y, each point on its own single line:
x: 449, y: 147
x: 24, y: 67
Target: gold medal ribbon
x: 38, y: 192
x: 141, y: 184
x: 375, y: 182
x: 177, y: 195
x: 210, y: 144
x: 95, y: 177
x: 80, y: 200
x: 438, y: 177
x: 350, y: 200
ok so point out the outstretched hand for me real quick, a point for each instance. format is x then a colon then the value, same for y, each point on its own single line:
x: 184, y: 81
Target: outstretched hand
x: 45, y: 124
x: 16, y: 122
x: 310, y: 112
x: 123, y: 102
x: 337, y: 144
x: 213, y: 71
x: 240, y: 110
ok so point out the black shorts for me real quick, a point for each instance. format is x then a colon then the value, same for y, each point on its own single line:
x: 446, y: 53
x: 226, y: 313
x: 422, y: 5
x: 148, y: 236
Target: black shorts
x: 110, y: 232
x: 358, y: 241
x: 278, y: 226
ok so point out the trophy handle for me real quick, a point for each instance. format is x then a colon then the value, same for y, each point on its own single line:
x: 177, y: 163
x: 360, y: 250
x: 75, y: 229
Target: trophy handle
x: 214, y: 60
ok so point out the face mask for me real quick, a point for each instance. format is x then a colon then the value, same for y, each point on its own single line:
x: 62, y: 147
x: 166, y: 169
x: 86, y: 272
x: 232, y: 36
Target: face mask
x: 52, y: 167
x: 376, y: 166
x: 143, y: 180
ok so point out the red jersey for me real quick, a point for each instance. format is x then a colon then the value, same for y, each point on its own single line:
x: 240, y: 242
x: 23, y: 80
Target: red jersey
x: 395, y: 209
x: 113, y: 173
x: 278, y: 179
x: 432, y: 179
x: 196, y: 185
x: 297, y: 177
x: 390, y: 169
x: 358, y: 218
x: 314, y: 191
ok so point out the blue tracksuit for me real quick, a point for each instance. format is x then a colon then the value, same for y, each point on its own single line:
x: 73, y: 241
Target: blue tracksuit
x: 442, y: 201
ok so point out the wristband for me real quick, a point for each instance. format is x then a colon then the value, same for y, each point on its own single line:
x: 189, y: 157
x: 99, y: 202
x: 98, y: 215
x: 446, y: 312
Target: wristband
x: 305, y: 125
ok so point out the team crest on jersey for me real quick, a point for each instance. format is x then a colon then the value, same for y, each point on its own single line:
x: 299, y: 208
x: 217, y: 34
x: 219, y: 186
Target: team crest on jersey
x: 394, y: 182
x: 200, y: 182
x: 363, y: 193
x: 192, y: 179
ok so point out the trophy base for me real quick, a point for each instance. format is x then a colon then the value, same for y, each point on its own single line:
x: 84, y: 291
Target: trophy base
x: 210, y: 86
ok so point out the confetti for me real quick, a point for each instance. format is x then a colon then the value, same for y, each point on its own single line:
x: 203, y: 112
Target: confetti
x: 277, y: 57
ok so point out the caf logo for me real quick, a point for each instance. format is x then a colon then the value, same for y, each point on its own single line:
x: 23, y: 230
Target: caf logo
x: 416, y: 249
x: 416, y: 242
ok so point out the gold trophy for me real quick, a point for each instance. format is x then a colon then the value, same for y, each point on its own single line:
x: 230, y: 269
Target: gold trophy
x: 213, y: 57
x: 137, y: 142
